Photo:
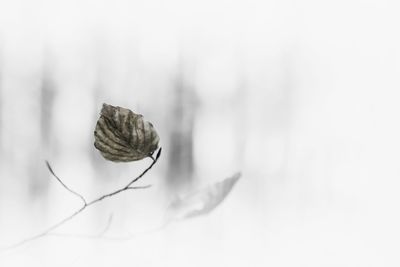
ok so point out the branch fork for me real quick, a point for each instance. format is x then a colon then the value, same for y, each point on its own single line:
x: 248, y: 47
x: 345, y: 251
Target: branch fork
x: 85, y: 203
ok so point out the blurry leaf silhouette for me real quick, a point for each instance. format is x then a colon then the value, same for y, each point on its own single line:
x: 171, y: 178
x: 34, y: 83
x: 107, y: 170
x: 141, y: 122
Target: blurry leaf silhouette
x: 201, y: 202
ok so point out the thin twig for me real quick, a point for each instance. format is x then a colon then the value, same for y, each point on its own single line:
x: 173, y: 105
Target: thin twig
x: 99, y: 235
x: 127, y: 237
x: 64, y: 185
x: 85, y: 205
x: 143, y: 173
x: 140, y: 187
x: 110, y: 218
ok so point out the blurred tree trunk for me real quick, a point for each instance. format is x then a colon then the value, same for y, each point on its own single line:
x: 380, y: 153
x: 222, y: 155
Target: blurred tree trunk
x: 180, y: 153
x: 21, y: 115
x: 47, y: 104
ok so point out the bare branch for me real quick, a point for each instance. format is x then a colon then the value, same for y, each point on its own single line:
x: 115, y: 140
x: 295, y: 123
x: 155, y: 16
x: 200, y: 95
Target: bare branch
x: 64, y: 185
x: 85, y: 205
x: 44, y: 232
x: 127, y: 237
x: 99, y: 235
x: 140, y: 187
x: 143, y: 173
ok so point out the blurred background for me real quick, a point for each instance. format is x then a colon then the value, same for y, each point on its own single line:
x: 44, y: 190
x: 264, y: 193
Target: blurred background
x: 300, y: 96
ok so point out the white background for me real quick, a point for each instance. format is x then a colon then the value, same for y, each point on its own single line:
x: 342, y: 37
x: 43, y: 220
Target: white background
x: 301, y: 96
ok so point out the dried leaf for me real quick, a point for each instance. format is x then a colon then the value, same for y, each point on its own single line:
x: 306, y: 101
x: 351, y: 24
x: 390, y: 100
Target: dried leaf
x: 122, y: 135
x: 203, y: 201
